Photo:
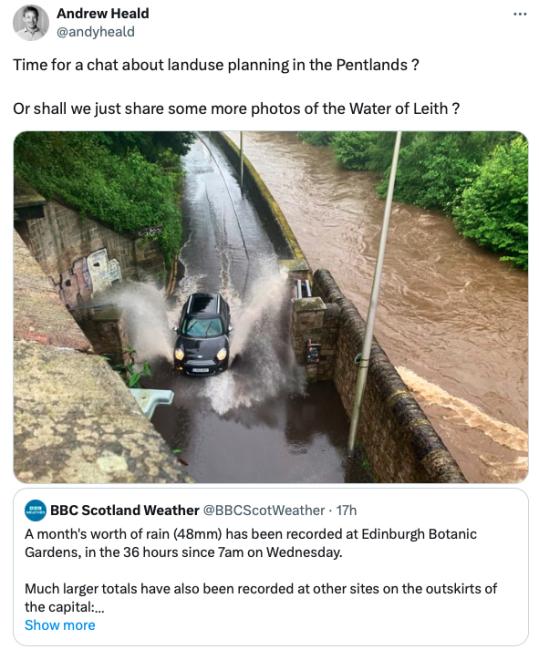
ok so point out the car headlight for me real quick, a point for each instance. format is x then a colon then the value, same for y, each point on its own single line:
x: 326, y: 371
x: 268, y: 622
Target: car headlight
x: 221, y: 355
x: 179, y: 354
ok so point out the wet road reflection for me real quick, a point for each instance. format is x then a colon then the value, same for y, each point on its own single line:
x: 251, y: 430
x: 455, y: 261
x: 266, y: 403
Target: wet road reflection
x: 257, y: 422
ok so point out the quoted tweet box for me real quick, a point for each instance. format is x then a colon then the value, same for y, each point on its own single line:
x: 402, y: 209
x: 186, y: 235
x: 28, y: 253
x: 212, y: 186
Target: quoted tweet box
x: 204, y: 566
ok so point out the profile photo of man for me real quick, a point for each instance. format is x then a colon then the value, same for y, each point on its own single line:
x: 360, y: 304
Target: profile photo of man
x: 31, y: 23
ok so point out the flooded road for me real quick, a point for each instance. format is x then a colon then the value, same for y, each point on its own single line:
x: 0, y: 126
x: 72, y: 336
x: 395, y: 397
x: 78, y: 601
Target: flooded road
x: 257, y: 422
x: 451, y: 317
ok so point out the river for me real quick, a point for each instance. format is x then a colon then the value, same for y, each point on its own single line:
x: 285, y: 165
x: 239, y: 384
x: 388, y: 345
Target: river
x: 452, y: 317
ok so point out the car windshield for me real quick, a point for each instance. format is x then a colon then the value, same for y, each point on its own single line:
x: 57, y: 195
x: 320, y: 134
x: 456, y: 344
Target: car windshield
x: 202, y: 328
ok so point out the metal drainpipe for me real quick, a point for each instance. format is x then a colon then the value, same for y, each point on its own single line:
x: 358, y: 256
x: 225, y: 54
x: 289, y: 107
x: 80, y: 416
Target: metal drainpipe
x: 369, y: 329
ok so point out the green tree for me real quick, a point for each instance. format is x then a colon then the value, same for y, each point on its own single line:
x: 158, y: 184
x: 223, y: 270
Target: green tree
x: 365, y: 150
x: 353, y: 149
x: 317, y: 138
x: 493, y: 210
x: 151, y: 144
x: 434, y: 168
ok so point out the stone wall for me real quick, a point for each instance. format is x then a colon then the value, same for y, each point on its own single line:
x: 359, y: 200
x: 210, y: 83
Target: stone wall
x: 67, y: 246
x: 314, y: 321
x: 106, y: 330
x: 63, y: 236
x: 396, y: 436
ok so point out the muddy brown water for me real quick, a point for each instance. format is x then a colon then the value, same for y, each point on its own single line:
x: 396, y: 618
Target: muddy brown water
x: 452, y: 317
x: 258, y: 421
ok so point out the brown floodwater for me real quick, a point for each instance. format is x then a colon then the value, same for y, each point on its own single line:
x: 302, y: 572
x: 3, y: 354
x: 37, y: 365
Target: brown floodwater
x: 451, y: 317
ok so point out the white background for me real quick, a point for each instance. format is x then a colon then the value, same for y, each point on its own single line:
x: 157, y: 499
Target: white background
x: 310, y: 619
x: 475, y: 53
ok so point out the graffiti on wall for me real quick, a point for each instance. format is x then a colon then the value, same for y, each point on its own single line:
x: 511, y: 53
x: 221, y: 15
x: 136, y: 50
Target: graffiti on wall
x: 88, y: 276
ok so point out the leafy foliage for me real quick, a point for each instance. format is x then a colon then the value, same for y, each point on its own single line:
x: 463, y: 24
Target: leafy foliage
x: 125, y: 190
x: 434, y: 168
x: 493, y: 210
x: 151, y: 144
x: 439, y: 171
x: 352, y: 149
x: 134, y: 376
x: 317, y: 138
x: 364, y: 150
x: 131, y: 371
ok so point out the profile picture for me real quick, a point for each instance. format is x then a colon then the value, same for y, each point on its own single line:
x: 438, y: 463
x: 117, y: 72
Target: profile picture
x: 31, y: 22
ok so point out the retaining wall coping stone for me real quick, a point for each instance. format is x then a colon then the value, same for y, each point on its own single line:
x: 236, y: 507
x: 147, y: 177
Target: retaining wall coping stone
x: 309, y: 304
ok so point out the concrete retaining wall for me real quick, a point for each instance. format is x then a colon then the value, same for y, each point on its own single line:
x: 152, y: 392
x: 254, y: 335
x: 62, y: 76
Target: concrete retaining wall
x: 396, y: 436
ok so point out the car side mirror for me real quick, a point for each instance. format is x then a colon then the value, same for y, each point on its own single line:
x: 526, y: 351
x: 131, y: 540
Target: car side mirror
x: 230, y: 328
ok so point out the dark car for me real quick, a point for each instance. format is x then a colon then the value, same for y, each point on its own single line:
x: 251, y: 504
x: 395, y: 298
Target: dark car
x: 202, y: 346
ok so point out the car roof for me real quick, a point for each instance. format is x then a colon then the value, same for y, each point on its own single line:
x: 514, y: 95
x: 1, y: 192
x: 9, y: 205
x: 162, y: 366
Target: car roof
x: 203, y: 303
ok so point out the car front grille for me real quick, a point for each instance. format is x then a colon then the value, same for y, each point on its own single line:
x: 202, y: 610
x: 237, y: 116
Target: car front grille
x: 200, y: 363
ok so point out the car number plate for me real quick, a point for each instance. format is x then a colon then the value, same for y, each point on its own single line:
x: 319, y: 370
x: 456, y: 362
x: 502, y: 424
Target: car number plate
x: 200, y: 370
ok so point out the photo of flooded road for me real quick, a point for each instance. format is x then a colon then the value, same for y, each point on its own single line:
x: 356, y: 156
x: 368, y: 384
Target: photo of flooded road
x: 285, y: 237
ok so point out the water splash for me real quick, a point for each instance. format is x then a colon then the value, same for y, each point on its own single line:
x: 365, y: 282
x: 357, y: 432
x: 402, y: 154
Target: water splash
x: 144, y: 311
x: 262, y: 311
x: 262, y: 361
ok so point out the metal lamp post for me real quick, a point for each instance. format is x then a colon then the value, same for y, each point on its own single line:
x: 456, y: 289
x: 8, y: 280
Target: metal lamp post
x: 373, y: 303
